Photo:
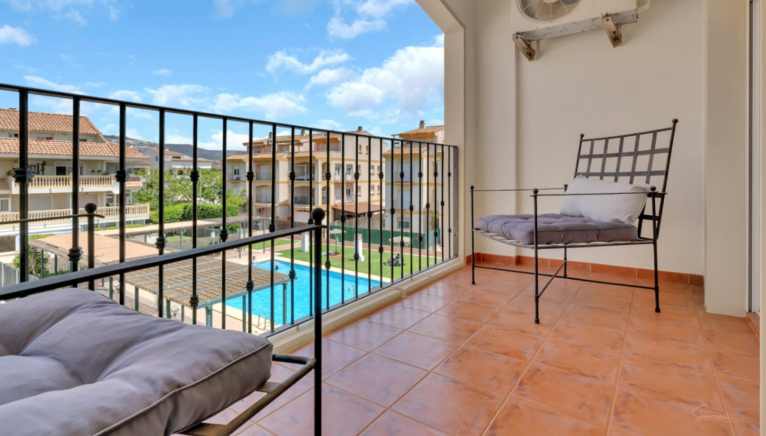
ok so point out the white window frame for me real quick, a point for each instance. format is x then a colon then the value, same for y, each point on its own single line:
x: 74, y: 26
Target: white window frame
x: 6, y: 201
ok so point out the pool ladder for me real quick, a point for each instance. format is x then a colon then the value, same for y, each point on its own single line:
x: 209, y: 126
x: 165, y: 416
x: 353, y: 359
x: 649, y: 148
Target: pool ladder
x: 266, y: 320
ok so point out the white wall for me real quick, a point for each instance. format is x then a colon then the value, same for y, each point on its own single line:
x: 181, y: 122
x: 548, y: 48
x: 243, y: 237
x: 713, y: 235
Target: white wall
x: 518, y: 122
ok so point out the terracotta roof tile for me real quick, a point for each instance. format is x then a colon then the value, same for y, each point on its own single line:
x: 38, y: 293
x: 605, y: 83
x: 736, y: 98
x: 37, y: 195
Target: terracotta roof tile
x: 428, y: 129
x: 40, y: 121
x: 64, y: 148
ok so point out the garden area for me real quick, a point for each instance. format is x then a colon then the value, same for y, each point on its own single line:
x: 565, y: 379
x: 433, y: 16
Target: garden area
x: 372, y: 260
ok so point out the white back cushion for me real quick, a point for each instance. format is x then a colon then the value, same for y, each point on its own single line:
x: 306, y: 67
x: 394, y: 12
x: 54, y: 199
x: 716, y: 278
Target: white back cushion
x: 610, y: 208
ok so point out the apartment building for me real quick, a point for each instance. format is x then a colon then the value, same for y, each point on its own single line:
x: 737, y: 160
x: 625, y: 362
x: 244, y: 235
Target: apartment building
x: 175, y: 161
x: 337, y: 196
x: 50, y: 156
x: 411, y: 157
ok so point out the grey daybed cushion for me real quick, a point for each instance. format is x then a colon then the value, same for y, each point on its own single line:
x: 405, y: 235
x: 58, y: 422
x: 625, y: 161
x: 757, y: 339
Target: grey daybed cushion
x: 556, y: 229
x: 73, y: 362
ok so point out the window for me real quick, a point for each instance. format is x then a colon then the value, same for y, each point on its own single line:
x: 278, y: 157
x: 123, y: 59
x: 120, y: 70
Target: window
x: 378, y: 168
x: 156, y: 158
x: 45, y: 138
x: 349, y: 192
x: 83, y: 140
x: 349, y: 169
x: 378, y: 189
x: 359, y: 193
x: 404, y: 224
x: 5, y: 204
x: 337, y: 170
x: 368, y: 149
x: 236, y: 172
x: 177, y: 157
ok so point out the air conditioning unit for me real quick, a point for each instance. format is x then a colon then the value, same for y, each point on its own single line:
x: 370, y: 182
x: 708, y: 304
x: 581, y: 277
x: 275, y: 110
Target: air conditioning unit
x: 543, y: 19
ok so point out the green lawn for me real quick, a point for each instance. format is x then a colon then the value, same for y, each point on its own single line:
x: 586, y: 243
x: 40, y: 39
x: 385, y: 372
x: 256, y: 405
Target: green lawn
x: 277, y: 243
x: 375, y: 261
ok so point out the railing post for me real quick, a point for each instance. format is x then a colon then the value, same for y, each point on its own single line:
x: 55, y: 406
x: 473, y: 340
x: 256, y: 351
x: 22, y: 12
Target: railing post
x: 318, y: 215
x: 90, y: 208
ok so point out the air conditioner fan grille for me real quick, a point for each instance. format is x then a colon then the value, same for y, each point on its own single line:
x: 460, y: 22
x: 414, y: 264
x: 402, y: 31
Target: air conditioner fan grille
x: 546, y: 10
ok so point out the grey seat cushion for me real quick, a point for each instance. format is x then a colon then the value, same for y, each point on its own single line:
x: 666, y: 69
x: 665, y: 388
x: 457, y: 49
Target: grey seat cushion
x: 556, y: 229
x: 73, y: 362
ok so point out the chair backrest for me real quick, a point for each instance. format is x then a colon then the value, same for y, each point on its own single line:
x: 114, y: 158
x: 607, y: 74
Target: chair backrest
x: 642, y: 157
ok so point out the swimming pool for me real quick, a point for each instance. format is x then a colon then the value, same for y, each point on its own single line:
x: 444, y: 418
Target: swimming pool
x: 262, y: 299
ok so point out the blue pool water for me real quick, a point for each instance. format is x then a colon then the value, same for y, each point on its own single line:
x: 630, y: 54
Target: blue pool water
x: 302, y: 307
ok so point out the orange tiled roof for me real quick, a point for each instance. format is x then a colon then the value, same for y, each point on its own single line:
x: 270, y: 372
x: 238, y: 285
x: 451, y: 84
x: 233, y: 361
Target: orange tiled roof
x: 64, y: 148
x: 428, y: 129
x: 41, y: 121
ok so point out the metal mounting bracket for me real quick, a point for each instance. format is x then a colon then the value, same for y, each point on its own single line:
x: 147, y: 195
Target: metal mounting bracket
x: 526, y: 47
x: 612, y: 30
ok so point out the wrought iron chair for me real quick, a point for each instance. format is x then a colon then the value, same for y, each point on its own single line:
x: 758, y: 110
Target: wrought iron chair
x: 620, y: 158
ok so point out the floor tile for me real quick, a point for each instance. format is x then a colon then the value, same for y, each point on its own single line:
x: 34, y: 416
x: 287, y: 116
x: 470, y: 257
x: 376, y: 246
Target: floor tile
x: 336, y: 355
x: 669, y: 313
x: 510, y: 288
x: 607, y: 290
x: 556, y: 294
x: 668, y: 352
x: 645, y: 297
x: 377, y: 379
x: 573, y: 395
x: 364, y: 335
x: 498, y: 340
x: 725, y: 322
x: 524, y: 323
x: 746, y: 428
x: 223, y: 417
x: 398, y: 316
x: 253, y: 430
x: 599, y: 365
x: 602, y: 301
x: 448, y: 329
x: 469, y: 311
x: 588, y: 336
x: 525, y: 303
x: 688, y: 333
x: 639, y: 414
x: 695, y: 388
x: 610, y: 278
x: 487, y: 371
x: 448, y: 289
x: 486, y: 297
x: 342, y: 415
x: 394, y: 424
x: 742, y: 398
x: 737, y: 365
x: 512, y: 276
x: 610, y: 319
x: 666, y: 287
x: 424, y: 302
x: 416, y: 350
x: 746, y: 343
x: 451, y: 406
x: 519, y: 418
x: 278, y: 374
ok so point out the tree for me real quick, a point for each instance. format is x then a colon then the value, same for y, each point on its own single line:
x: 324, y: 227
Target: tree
x: 210, y: 185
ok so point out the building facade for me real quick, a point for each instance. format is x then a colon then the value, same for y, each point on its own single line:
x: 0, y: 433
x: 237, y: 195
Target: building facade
x: 50, y: 156
x: 411, y: 157
x: 338, y: 196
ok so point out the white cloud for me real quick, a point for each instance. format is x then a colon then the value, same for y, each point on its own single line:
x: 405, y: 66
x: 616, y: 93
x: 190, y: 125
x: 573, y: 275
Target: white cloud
x: 328, y: 124
x: 133, y: 133
x: 337, y: 28
x: 369, y: 16
x: 272, y: 105
x: 162, y: 72
x: 43, y: 83
x: 412, y: 78
x: 113, y: 8
x: 281, y: 60
x: 126, y: 95
x: 76, y: 17
x: 225, y: 8
x: 329, y: 76
x: 178, y: 95
x: 15, y: 35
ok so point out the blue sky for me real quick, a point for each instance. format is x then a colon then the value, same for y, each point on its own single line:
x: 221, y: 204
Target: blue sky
x: 327, y: 63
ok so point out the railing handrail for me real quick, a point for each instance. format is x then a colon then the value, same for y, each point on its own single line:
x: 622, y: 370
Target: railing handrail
x: 135, y: 105
x: 48, y: 284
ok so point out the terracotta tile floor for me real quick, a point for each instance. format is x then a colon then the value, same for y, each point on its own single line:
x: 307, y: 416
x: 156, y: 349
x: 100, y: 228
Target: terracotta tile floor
x: 456, y: 359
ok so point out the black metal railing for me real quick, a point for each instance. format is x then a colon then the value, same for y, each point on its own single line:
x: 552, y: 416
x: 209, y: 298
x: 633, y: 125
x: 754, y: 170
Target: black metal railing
x: 371, y: 225
x: 92, y: 274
